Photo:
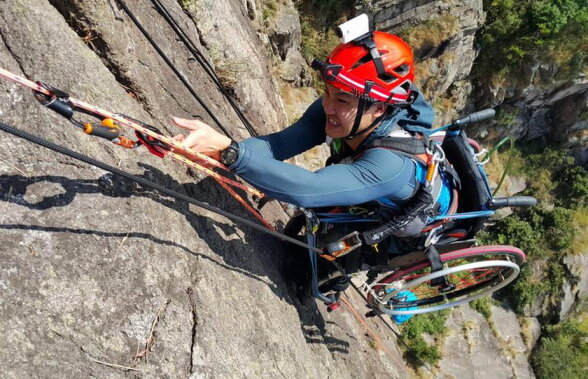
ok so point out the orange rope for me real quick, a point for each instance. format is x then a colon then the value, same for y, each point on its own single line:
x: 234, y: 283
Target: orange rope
x: 370, y: 332
x: 205, y: 160
x: 245, y: 204
x: 215, y: 175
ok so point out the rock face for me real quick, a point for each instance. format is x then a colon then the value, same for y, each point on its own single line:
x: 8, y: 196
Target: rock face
x: 547, y: 112
x: 227, y: 29
x: 443, y: 40
x: 99, y: 277
x: 576, y: 288
x: 481, y: 348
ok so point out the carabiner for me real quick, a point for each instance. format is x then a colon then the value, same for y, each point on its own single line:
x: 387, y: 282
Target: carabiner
x: 433, y: 237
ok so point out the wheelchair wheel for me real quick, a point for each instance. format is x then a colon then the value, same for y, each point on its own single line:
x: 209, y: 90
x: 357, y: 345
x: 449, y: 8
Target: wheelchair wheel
x: 470, y: 274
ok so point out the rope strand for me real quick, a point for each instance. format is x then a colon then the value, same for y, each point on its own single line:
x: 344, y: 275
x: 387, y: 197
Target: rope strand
x: 173, y: 68
x: 146, y: 183
x: 191, y: 46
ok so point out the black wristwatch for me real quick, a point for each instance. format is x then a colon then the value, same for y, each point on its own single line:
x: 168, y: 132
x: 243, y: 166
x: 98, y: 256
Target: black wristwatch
x: 230, y: 155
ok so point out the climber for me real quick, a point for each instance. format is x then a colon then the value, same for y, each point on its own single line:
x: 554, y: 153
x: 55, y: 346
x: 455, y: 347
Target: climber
x: 369, y: 98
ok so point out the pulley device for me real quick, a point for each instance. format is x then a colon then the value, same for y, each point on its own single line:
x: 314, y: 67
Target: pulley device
x: 147, y: 135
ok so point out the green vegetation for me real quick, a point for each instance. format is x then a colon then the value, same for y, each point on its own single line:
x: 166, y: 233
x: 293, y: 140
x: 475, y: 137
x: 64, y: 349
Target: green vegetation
x: 552, y: 174
x: 188, y: 5
x: 537, y: 231
x: 562, y: 352
x: 483, y: 306
x: 506, y: 115
x: 573, y: 187
x: 550, y: 231
x: 519, y: 31
x: 269, y: 10
x: 580, y: 222
x: 228, y: 70
x: 430, y: 33
x: 419, y: 351
x: 317, y: 21
x: 318, y: 18
x: 316, y: 44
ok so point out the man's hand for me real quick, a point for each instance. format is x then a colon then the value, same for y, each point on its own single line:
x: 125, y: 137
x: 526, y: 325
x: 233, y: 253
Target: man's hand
x: 202, y: 138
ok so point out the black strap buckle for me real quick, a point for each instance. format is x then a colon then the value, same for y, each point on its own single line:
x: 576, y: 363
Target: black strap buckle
x: 437, y: 265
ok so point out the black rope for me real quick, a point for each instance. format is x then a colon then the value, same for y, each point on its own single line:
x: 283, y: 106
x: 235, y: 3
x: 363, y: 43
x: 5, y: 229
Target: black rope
x: 191, y: 46
x: 171, y: 65
x: 149, y: 184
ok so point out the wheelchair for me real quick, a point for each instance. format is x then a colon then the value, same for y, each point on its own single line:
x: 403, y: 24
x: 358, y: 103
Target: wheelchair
x: 439, y: 268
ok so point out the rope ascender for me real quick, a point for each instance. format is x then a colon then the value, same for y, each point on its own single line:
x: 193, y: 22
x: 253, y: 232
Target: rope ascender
x: 149, y: 136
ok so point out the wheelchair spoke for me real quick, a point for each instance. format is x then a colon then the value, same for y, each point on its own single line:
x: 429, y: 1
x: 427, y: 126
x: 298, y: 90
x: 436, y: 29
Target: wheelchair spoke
x: 471, y: 273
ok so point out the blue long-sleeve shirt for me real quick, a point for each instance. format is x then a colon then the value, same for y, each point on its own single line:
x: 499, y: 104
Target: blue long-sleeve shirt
x: 377, y: 173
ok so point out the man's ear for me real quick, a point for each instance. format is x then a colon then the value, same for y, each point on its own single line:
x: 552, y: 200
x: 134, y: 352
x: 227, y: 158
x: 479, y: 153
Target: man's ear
x: 380, y: 109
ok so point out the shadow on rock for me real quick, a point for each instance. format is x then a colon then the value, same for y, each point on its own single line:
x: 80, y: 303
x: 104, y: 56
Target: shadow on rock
x: 315, y: 331
x: 250, y: 255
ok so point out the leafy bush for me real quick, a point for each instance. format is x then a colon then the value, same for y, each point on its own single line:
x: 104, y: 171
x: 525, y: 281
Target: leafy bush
x: 431, y: 323
x: 423, y: 352
x: 513, y: 230
x: 550, y: 17
x: 562, y: 352
x: 552, y: 177
x: 524, y: 291
x: 573, y: 187
x: 540, y: 233
x: 557, y: 227
x: 483, y: 306
x: 419, y: 351
x: 545, y: 170
x: 530, y: 30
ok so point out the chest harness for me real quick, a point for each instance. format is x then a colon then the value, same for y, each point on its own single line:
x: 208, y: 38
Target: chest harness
x: 411, y: 219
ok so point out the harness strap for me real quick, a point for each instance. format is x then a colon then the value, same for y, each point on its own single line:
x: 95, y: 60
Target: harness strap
x: 436, y: 265
x: 413, y: 148
x: 412, y: 211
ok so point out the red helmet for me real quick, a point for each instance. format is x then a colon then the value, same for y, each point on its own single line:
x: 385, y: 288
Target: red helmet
x: 376, y: 67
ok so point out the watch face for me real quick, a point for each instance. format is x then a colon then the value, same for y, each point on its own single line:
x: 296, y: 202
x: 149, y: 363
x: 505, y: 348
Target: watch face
x: 230, y: 154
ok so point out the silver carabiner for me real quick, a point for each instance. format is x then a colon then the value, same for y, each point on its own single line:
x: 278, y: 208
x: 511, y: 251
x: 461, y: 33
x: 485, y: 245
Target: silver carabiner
x: 479, y: 154
x: 439, y: 155
x: 432, y: 237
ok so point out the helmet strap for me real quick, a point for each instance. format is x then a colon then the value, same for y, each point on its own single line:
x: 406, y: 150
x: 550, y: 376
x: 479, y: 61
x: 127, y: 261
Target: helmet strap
x: 358, y: 117
x: 369, y: 43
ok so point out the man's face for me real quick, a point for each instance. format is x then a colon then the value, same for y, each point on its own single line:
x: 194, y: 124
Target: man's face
x: 340, y: 108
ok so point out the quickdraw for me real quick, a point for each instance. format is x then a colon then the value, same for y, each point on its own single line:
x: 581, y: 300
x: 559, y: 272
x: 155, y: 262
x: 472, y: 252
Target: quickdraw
x: 147, y: 135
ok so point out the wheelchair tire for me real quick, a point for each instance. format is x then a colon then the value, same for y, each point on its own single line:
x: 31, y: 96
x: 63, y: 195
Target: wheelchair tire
x: 470, y: 274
